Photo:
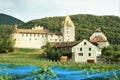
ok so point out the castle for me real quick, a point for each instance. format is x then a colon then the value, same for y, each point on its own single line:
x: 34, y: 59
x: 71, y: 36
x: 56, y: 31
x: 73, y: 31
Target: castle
x: 38, y: 36
x: 82, y: 51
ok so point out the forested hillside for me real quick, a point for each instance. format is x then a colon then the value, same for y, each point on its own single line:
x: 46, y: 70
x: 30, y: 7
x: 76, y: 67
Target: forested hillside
x: 85, y: 25
x: 9, y: 20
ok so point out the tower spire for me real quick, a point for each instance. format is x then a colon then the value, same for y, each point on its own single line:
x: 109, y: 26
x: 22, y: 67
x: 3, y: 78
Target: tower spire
x: 68, y: 22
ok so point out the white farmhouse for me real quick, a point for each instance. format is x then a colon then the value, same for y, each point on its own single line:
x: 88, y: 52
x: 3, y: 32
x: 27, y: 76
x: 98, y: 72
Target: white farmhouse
x: 85, y: 51
x: 88, y: 51
x: 38, y: 36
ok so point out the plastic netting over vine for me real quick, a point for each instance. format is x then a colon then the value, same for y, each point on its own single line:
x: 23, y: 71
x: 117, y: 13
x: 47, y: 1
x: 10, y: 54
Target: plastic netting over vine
x: 70, y: 74
x: 29, y: 72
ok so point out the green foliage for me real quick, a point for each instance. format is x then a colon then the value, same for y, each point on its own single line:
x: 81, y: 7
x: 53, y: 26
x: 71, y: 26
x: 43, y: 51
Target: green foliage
x: 44, y: 73
x: 6, y: 44
x: 26, y: 50
x: 111, y: 53
x: 9, y: 20
x: 7, y: 77
x: 84, y: 23
x: 54, y: 55
x: 51, y: 53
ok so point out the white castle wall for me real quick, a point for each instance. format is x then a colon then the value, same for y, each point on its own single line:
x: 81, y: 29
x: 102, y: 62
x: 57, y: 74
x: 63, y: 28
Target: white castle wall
x: 32, y: 40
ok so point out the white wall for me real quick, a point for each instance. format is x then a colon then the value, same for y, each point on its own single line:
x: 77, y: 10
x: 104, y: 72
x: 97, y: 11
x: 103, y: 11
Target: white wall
x: 29, y: 40
x: 103, y: 44
x: 68, y: 33
x: 23, y: 40
x: 54, y: 38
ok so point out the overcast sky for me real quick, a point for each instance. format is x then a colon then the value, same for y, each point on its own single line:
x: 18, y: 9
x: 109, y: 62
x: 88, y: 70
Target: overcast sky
x: 34, y: 9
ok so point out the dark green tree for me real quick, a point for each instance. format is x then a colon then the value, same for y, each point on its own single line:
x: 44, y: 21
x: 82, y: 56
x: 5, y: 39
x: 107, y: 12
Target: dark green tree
x: 6, y: 43
x: 111, y: 53
x: 51, y: 53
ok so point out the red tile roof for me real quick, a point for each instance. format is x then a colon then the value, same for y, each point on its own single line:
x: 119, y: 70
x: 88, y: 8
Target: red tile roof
x: 98, y: 39
x: 31, y: 31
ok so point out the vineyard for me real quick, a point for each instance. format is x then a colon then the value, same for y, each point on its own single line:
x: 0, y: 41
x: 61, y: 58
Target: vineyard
x: 31, y: 72
x: 58, y: 70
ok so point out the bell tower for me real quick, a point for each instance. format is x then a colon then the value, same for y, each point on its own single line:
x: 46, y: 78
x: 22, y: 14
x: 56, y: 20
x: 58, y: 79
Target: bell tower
x: 68, y: 30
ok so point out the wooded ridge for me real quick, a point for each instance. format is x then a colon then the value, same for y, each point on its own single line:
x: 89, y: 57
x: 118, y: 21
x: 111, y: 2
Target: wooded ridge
x: 85, y: 25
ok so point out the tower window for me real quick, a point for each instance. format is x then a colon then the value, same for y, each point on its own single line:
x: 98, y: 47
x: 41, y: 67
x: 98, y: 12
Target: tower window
x: 84, y: 43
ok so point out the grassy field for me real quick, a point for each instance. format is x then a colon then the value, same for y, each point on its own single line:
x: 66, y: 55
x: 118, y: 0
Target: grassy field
x: 34, y: 57
x: 25, y: 56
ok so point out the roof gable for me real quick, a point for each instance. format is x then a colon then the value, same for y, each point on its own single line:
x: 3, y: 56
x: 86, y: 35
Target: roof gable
x: 87, y: 42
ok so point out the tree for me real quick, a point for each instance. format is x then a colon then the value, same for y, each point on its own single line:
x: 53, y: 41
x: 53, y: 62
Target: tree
x: 6, y: 45
x: 51, y: 53
x: 111, y: 53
